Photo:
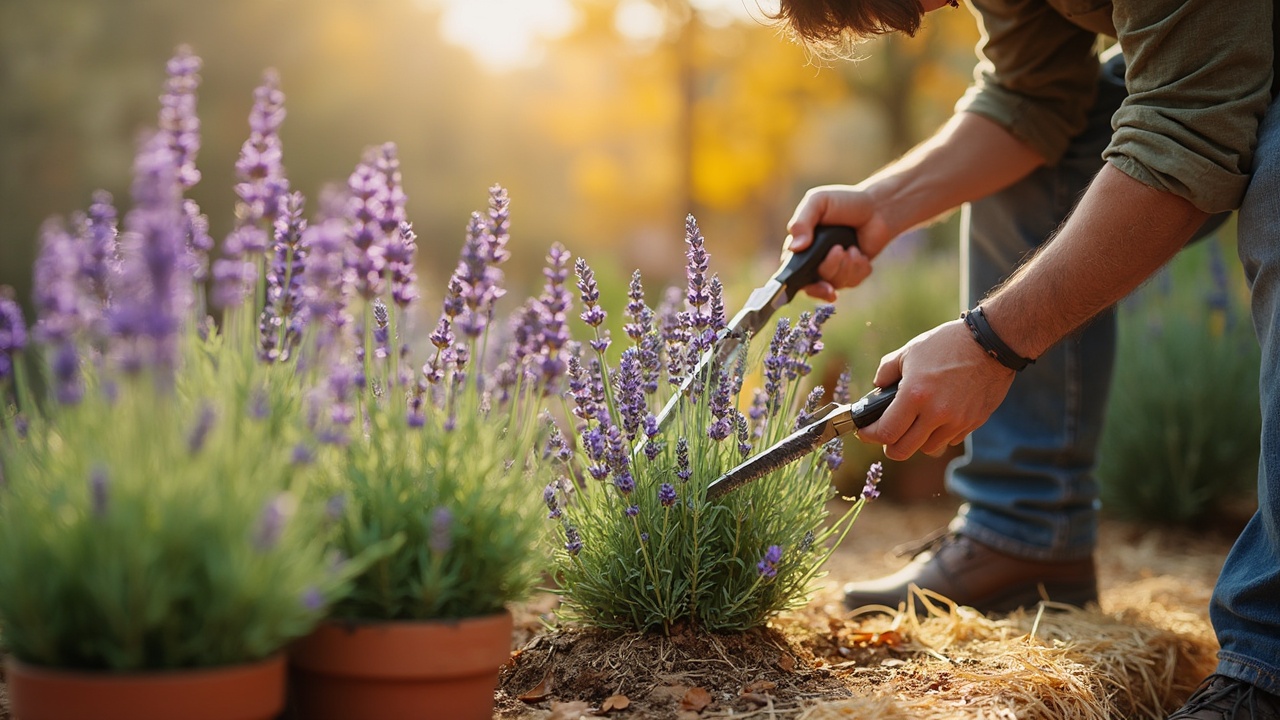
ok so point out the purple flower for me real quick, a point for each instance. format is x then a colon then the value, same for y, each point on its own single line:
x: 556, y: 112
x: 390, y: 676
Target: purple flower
x: 275, y: 515
x: 743, y: 428
x: 99, y: 236
x: 833, y: 454
x: 698, y: 293
x: 871, y: 490
x: 811, y: 405
x: 667, y: 494
x: 313, y: 600
x: 261, y: 192
x: 630, y: 395
x: 441, y: 536
x: 682, y: 460
x: 639, y: 314
x: 776, y: 362
x: 768, y: 565
x: 381, y: 330
x: 178, y: 120
x: 153, y: 293
x: 484, y: 250
x: 632, y: 510
x: 281, y: 320
x: 98, y: 491
x: 402, y: 246
x: 302, y: 455
x: 260, y: 165
x: 200, y: 432
x: 644, y: 537
x: 841, y: 392
x: 60, y: 306
x: 199, y: 242
x: 624, y: 482
x: 719, y: 320
x: 367, y: 259
x: 550, y: 309
x: 549, y: 497
x: 572, y: 540
x: 69, y: 389
x: 335, y: 506
x: 13, y: 335
x: 589, y: 291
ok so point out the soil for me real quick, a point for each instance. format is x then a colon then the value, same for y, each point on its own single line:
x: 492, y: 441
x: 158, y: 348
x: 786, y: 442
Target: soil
x: 1155, y: 581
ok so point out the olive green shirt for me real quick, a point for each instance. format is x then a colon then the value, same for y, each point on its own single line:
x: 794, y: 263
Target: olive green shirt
x: 1199, y: 76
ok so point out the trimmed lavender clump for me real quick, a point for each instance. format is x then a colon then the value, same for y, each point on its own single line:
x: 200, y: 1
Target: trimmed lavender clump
x: 645, y: 549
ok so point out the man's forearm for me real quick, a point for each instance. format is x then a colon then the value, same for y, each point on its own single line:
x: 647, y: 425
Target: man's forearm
x: 1121, y: 232
x: 968, y: 158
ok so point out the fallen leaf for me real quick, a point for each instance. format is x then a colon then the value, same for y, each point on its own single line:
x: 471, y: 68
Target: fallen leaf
x: 568, y: 710
x: 787, y: 663
x: 615, y: 702
x: 759, y: 686
x: 889, y: 638
x: 539, y: 693
x: 696, y: 699
x: 756, y: 698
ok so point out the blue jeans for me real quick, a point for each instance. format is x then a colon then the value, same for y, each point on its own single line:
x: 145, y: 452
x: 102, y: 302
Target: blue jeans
x: 1246, y: 601
x: 1027, y: 474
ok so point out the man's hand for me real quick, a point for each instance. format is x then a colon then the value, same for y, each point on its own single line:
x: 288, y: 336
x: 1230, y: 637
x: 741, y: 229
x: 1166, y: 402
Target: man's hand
x: 838, y: 205
x: 948, y: 388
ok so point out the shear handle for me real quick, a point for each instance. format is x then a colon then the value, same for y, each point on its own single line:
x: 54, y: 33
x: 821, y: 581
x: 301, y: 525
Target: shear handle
x: 800, y: 270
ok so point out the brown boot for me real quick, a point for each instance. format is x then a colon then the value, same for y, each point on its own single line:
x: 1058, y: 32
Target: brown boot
x: 967, y: 572
x: 1222, y: 698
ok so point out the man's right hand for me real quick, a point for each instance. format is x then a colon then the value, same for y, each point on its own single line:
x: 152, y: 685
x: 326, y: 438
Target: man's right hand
x: 838, y: 205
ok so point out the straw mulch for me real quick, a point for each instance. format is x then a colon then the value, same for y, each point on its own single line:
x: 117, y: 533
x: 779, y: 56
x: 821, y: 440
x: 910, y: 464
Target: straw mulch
x: 1140, y: 659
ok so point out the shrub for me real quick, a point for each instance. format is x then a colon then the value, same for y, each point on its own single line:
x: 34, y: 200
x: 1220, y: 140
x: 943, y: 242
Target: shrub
x: 638, y: 544
x: 1182, y: 428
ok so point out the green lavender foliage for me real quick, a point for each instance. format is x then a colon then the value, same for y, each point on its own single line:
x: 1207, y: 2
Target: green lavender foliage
x: 127, y: 542
x: 1182, y: 426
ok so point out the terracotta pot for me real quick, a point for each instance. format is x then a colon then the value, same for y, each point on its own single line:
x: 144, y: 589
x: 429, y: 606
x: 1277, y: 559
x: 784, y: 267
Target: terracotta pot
x: 241, y: 692
x: 446, y: 669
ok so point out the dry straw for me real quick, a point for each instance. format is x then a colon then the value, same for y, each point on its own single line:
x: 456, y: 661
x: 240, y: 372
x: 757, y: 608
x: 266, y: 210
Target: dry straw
x: 1138, y: 661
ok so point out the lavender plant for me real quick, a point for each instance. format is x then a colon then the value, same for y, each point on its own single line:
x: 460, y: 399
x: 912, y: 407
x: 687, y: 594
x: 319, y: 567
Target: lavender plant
x: 639, y: 546
x: 157, y: 509
x: 432, y: 462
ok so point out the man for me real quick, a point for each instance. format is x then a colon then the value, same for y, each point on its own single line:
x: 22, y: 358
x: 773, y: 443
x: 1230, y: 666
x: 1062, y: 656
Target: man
x: 1049, y: 132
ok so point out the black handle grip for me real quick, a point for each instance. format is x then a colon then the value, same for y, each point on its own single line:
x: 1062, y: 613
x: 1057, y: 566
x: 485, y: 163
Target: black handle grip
x: 799, y: 270
x: 877, y: 401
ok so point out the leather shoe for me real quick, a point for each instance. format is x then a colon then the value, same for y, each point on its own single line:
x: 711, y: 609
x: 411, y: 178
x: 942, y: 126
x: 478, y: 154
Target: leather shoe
x: 1223, y: 698
x: 968, y: 573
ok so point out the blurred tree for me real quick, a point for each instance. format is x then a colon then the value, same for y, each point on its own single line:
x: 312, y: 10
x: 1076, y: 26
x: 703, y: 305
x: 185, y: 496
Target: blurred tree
x: 607, y: 143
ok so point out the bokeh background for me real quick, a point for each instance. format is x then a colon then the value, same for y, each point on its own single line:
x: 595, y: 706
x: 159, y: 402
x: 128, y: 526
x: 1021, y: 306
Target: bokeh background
x: 607, y: 120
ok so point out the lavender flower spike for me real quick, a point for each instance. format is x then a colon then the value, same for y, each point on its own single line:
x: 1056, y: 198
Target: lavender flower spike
x: 572, y: 540
x: 441, y: 537
x: 178, y: 120
x: 13, y: 334
x: 271, y: 524
x: 593, y: 314
x: 667, y: 495
x: 98, y: 491
x: 871, y: 490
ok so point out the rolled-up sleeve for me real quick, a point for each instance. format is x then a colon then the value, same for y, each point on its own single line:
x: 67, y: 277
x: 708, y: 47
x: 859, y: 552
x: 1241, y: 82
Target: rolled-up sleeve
x: 1036, y: 74
x: 1199, y: 77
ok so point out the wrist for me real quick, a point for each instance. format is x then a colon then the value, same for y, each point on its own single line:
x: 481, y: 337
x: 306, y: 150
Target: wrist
x: 992, y: 344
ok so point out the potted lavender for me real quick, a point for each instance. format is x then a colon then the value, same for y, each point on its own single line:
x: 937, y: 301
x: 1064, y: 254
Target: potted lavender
x: 432, y: 457
x: 160, y: 543
x: 639, y: 545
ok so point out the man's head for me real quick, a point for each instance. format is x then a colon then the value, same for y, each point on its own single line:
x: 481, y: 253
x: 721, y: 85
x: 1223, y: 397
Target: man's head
x: 835, y: 24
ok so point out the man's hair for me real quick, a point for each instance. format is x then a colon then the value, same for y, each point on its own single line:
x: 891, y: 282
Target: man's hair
x: 833, y: 25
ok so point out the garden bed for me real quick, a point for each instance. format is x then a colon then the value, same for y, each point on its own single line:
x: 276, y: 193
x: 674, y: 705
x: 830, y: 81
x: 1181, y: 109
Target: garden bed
x: 1138, y: 656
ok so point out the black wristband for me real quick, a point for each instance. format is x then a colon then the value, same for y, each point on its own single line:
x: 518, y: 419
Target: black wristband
x: 991, y: 343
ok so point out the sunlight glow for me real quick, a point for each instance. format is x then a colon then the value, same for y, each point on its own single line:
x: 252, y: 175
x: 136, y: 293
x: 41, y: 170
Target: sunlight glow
x: 505, y: 34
